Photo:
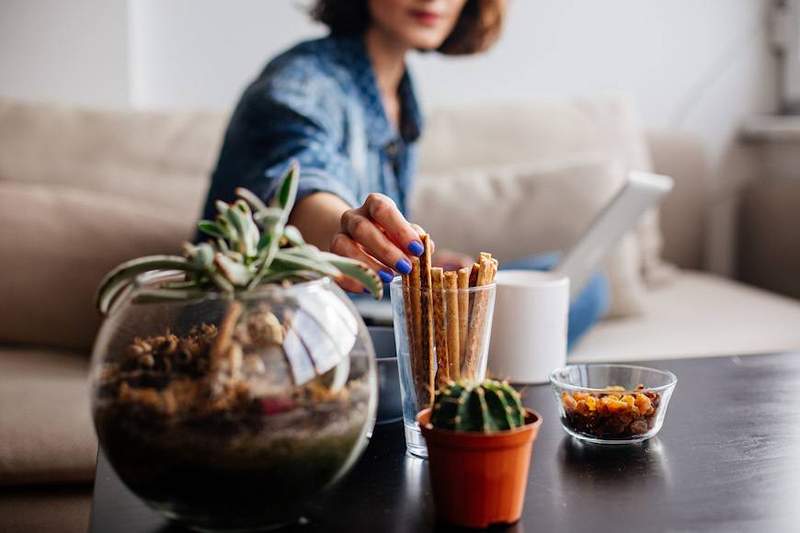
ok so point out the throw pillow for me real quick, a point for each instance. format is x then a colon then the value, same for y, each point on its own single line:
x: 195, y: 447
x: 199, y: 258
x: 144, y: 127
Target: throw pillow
x: 517, y: 211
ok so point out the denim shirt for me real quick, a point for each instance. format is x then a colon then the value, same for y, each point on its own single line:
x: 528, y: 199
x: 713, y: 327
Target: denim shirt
x: 319, y: 103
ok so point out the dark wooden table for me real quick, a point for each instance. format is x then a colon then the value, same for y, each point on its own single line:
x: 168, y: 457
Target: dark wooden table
x: 727, y: 459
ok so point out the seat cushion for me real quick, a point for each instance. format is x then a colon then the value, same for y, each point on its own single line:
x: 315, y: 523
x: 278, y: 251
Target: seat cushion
x: 46, y: 433
x: 698, y: 315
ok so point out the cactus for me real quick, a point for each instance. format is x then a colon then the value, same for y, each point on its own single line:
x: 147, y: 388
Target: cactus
x: 482, y: 407
x: 250, y: 244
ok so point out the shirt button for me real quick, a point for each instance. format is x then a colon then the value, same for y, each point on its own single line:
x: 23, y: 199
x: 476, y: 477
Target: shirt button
x: 392, y: 149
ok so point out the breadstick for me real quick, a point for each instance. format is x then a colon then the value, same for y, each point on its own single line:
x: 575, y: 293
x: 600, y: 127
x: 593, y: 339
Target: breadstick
x: 427, y: 366
x: 440, y: 327
x: 417, y: 367
x: 463, y: 314
x: 410, y: 333
x: 451, y: 305
x: 473, y: 274
x: 477, y: 317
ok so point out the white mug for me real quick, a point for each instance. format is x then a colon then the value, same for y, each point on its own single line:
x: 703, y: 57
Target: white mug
x: 529, y: 330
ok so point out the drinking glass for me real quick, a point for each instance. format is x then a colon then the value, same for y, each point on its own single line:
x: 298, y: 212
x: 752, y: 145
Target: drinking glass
x: 440, y: 335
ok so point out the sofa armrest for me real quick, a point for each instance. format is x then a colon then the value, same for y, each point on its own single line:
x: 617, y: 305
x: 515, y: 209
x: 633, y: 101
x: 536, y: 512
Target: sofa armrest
x: 684, y: 213
x: 769, y: 243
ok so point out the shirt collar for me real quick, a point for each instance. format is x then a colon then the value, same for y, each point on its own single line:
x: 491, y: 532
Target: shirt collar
x: 380, y: 131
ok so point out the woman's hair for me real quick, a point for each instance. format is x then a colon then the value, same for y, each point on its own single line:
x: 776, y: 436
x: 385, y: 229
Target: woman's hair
x: 477, y: 28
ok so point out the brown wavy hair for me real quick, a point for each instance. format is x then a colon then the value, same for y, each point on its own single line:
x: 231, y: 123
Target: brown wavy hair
x: 477, y: 28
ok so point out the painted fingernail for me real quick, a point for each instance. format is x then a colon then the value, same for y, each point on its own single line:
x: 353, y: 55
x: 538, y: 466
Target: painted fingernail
x: 403, y: 266
x: 386, y: 275
x: 416, y: 248
x: 367, y: 291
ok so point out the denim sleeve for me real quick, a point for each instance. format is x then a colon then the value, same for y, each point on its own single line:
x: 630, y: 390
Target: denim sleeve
x: 284, y: 121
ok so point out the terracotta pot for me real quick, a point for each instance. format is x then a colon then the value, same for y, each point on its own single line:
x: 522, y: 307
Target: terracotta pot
x: 479, y: 479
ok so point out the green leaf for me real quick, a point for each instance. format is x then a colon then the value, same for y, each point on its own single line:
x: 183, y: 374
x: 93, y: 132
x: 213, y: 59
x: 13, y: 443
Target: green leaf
x: 287, y: 193
x: 147, y: 296
x: 221, y: 282
x: 210, y: 228
x: 294, y: 236
x: 269, y: 216
x: 356, y: 270
x: 235, y: 272
x: 268, y: 247
x: 224, y: 225
x: 244, y: 243
x: 308, y: 251
x: 254, y: 201
x: 222, y: 207
x: 121, y: 276
x: 295, y: 275
x: 204, y: 256
x: 285, y: 261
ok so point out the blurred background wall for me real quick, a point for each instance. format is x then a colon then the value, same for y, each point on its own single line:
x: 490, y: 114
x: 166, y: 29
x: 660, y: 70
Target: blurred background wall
x: 697, y: 66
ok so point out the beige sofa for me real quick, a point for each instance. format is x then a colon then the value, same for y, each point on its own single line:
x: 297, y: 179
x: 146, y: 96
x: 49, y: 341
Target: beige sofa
x: 83, y: 190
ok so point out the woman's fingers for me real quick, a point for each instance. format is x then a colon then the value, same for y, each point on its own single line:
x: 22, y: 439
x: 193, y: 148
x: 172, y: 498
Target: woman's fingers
x: 421, y: 231
x: 374, y: 242
x: 384, y: 212
x: 343, y: 245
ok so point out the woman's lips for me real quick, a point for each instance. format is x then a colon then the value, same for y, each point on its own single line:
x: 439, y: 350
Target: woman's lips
x: 426, y: 18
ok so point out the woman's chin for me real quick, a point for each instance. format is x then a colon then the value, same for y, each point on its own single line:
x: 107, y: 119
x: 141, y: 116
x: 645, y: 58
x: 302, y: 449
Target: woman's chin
x: 424, y: 40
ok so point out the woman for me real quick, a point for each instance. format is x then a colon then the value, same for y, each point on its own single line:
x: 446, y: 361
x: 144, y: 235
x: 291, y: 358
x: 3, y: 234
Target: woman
x: 344, y: 106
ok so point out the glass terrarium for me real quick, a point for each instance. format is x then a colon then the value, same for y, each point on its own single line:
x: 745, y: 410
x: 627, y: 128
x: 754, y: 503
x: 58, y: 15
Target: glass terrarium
x: 226, y: 413
x: 233, y: 383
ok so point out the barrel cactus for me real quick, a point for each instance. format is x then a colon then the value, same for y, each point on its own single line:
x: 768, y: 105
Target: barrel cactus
x: 250, y: 244
x: 484, y: 407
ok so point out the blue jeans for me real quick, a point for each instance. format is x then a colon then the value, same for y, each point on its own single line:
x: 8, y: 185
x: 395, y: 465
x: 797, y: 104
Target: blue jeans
x: 587, y: 308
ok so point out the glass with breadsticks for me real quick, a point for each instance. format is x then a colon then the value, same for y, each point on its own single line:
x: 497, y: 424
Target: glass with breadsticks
x: 442, y: 323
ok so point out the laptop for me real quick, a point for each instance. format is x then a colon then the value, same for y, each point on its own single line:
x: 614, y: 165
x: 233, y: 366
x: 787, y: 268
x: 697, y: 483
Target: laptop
x: 641, y: 191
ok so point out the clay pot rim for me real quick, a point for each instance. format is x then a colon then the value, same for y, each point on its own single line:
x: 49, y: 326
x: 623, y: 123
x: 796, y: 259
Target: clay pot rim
x: 472, y: 439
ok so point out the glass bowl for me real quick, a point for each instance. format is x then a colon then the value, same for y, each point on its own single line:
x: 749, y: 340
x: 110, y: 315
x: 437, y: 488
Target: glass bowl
x: 612, y: 404
x: 231, y: 413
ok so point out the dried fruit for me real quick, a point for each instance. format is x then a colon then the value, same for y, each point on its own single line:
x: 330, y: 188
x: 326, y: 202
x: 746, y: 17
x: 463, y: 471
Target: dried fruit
x: 612, y: 414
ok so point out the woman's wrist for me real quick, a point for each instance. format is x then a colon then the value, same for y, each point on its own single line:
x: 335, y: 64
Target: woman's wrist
x: 318, y: 217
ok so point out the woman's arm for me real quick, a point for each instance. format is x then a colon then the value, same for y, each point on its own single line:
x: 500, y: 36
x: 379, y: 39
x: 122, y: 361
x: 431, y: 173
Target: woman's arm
x: 376, y: 232
x: 290, y: 121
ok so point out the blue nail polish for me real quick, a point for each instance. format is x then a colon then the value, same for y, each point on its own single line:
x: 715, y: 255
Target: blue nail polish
x: 386, y: 275
x: 416, y: 248
x: 403, y: 266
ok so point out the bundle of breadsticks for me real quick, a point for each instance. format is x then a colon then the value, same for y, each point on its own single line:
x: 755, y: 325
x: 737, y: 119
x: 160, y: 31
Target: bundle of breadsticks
x: 445, y: 324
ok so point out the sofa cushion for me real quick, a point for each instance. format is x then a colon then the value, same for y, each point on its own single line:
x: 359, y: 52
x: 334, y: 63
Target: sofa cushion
x: 45, y: 423
x: 517, y: 211
x: 57, y: 244
x: 698, y: 315
x: 541, y: 132
x: 156, y: 157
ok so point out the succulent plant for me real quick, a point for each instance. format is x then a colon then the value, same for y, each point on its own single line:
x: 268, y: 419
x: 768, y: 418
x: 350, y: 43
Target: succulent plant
x: 250, y: 245
x: 477, y: 407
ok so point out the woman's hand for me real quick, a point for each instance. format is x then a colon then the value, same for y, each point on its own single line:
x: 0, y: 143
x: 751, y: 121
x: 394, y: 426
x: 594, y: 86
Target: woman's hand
x: 377, y: 234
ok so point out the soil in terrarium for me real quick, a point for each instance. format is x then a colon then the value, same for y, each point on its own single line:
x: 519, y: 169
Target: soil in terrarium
x: 211, y: 427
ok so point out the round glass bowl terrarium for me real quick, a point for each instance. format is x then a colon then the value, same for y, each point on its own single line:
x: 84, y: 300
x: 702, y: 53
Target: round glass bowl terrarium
x: 229, y: 412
